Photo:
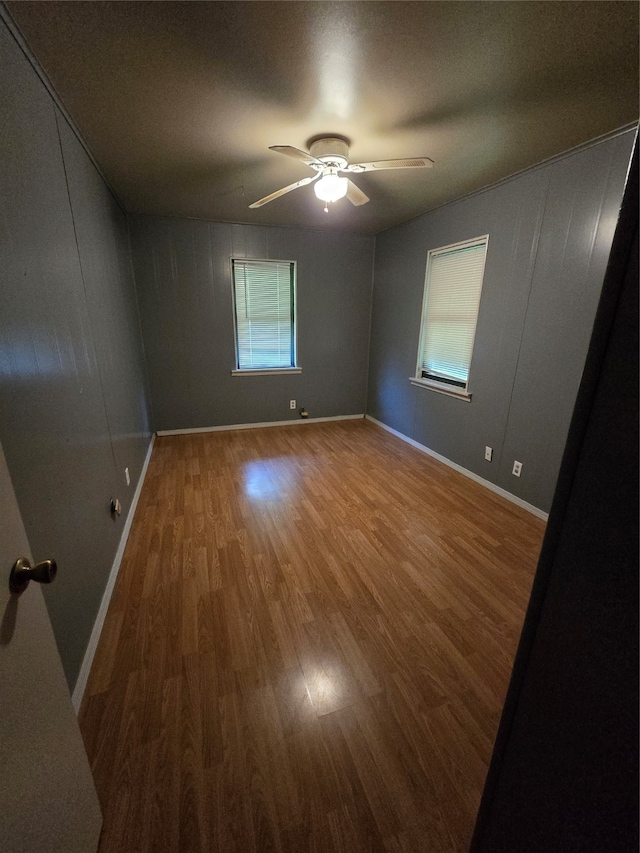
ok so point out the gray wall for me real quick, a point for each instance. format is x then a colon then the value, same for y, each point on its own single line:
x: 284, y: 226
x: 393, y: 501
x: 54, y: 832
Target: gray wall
x: 550, y: 232
x: 183, y: 277
x: 73, y: 410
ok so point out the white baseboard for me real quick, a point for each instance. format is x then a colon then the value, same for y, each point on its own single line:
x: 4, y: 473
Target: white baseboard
x: 486, y: 483
x: 87, y: 661
x: 258, y: 426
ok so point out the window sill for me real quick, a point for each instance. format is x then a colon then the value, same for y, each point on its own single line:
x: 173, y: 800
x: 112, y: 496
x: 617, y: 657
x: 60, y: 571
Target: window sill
x: 442, y: 388
x: 276, y: 371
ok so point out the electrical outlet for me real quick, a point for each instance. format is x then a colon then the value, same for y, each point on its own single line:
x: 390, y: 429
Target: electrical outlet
x: 127, y: 477
x: 292, y: 404
x: 517, y: 469
x: 488, y: 453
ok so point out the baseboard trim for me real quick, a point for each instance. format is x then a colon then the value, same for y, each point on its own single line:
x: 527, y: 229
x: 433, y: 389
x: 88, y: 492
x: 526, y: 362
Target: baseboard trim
x: 227, y: 427
x: 486, y: 483
x: 87, y: 661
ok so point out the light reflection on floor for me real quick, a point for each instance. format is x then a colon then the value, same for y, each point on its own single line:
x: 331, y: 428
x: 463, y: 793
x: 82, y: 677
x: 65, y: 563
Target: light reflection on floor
x: 324, y: 689
x: 326, y: 686
x: 270, y: 479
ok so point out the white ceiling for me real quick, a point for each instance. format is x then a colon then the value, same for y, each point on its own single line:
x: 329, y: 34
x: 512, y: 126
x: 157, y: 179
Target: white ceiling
x: 179, y: 102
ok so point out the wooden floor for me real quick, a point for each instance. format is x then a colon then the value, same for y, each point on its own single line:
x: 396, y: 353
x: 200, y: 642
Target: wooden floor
x: 308, y: 647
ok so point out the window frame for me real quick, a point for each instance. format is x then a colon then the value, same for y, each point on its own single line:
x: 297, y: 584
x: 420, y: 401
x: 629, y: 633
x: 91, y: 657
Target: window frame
x: 265, y: 371
x: 444, y: 387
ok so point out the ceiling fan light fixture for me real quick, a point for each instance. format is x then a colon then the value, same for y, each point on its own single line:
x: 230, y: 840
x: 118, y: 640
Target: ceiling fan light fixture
x: 331, y: 187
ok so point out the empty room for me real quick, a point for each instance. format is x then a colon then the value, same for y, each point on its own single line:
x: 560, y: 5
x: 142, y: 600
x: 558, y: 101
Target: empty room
x: 318, y: 427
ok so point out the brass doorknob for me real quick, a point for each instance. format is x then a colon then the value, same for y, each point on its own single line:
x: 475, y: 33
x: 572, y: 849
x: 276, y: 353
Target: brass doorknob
x: 23, y: 572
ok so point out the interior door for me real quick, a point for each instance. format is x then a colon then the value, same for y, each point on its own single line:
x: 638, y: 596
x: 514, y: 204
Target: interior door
x: 47, y: 798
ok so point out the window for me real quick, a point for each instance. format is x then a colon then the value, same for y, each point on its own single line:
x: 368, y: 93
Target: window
x: 264, y: 303
x: 449, y: 315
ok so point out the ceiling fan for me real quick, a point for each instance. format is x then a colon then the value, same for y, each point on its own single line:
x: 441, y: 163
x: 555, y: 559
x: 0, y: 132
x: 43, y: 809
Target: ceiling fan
x: 329, y: 156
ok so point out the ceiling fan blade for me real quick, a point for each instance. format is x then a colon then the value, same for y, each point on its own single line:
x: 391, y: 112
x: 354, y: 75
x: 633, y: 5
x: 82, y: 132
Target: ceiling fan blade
x: 297, y: 154
x: 355, y: 194
x: 407, y: 163
x: 284, y: 190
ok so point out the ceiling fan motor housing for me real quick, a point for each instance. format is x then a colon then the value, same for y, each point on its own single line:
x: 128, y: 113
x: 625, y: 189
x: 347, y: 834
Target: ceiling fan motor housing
x: 331, y: 150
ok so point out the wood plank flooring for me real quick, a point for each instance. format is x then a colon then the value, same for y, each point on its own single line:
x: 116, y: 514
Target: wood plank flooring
x: 307, y: 649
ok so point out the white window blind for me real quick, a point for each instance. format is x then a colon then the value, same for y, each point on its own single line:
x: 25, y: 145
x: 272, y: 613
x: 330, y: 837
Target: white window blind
x: 452, y: 298
x: 264, y: 294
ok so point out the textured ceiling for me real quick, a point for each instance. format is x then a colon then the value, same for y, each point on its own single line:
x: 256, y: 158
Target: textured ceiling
x: 180, y: 101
